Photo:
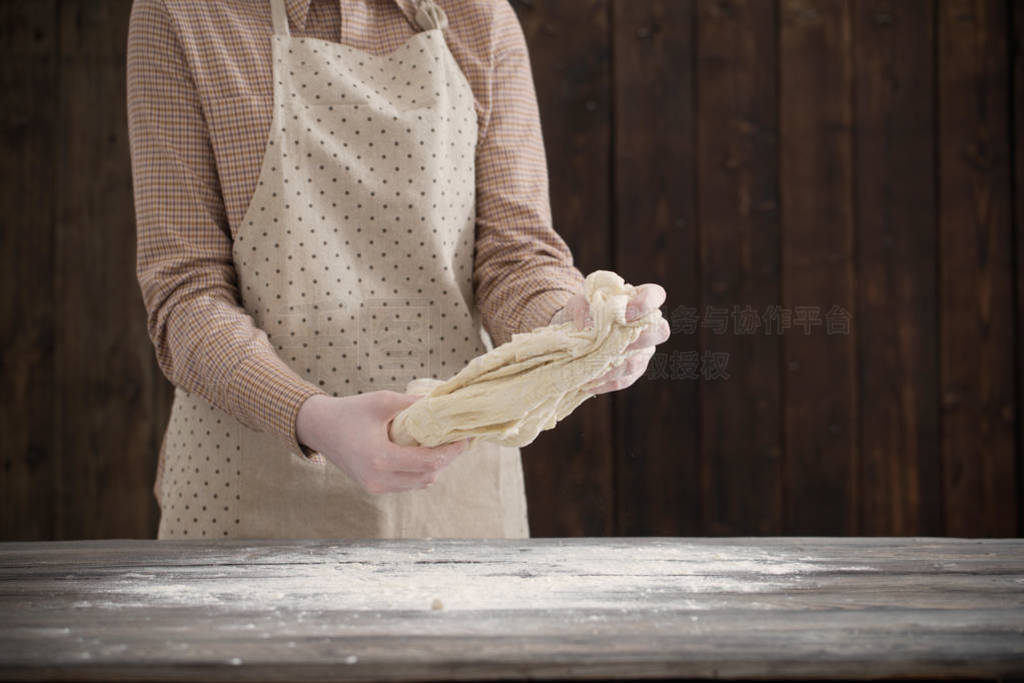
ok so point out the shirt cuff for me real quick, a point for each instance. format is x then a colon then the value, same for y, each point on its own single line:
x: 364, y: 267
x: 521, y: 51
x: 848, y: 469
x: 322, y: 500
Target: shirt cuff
x: 551, y: 292
x: 542, y: 308
x: 266, y: 394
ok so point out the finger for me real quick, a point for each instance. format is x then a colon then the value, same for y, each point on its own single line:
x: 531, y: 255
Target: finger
x: 449, y: 451
x: 388, y: 409
x: 401, y: 401
x: 397, y: 482
x: 580, y: 309
x: 648, y: 297
x: 647, y: 339
x: 651, y: 337
x: 404, y: 462
x: 635, y: 364
x: 424, y: 458
x: 616, y: 384
x: 622, y: 381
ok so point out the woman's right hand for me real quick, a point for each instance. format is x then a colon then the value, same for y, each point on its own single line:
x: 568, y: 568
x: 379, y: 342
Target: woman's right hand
x: 352, y: 432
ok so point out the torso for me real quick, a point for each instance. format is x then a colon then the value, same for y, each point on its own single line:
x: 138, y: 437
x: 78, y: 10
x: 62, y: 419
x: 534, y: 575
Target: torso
x: 354, y: 252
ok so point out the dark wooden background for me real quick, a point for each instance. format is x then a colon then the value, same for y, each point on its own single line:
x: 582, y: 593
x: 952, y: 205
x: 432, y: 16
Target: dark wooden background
x: 786, y: 153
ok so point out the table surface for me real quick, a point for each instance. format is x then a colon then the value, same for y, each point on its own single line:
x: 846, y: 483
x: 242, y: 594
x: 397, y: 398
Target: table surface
x: 783, y: 607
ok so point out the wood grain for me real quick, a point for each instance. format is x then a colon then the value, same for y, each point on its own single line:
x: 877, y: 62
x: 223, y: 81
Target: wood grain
x: 568, y: 43
x: 738, y: 217
x: 114, y: 402
x: 898, y: 173
x: 28, y: 78
x: 1018, y: 226
x: 815, y: 173
x: 774, y: 608
x: 901, y: 477
x: 656, y: 240
x: 976, y: 262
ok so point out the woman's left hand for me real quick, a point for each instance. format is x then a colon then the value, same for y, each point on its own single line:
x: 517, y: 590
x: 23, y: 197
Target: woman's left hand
x: 648, y: 297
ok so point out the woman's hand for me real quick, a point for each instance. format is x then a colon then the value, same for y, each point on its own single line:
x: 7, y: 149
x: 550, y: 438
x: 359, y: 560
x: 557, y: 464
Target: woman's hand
x: 352, y: 432
x: 648, y: 297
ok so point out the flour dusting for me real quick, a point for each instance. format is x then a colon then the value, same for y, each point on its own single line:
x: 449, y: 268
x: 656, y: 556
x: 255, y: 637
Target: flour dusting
x: 359, y: 578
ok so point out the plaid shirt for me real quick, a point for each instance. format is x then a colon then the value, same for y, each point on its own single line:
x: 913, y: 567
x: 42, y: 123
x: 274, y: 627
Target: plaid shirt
x: 193, y: 181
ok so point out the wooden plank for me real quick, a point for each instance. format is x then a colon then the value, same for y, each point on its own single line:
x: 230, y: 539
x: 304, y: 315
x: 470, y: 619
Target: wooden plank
x: 922, y: 555
x: 777, y: 608
x: 820, y: 384
x: 113, y: 401
x: 976, y: 262
x: 568, y: 470
x: 894, y: 45
x: 28, y: 79
x: 737, y: 200
x: 657, y: 433
x: 1017, y: 96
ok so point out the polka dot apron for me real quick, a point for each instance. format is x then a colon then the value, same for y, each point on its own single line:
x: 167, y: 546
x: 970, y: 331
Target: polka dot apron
x: 355, y: 255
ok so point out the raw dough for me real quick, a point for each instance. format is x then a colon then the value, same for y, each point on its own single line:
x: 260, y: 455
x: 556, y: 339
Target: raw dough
x: 529, y: 383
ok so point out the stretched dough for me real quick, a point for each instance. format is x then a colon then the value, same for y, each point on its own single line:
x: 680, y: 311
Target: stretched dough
x: 511, y: 393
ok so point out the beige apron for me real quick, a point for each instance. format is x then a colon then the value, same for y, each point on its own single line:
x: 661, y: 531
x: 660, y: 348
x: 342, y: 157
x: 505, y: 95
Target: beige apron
x: 355, y: 255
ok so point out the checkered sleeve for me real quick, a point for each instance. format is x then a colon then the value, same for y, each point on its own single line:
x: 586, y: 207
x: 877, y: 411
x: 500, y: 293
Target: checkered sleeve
x: 205, y: 341
x: 523, y: 270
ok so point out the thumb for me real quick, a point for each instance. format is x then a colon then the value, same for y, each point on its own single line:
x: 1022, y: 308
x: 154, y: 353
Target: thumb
x: 396, y: 404
x: 580, y: 309
x: 449, y: 451
x: 442, y: 454
x: 399, y: 402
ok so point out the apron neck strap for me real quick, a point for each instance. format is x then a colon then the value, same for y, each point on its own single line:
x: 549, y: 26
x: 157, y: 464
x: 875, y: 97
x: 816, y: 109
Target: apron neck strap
x: 428, y: 15
x: 280, y: 16
x: 425, y: 14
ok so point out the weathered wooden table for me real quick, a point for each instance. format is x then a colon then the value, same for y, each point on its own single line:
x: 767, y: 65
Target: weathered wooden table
x: 550, y: 608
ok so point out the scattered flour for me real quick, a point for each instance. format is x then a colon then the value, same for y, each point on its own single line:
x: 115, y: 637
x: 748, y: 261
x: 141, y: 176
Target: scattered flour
x: 366, y: 578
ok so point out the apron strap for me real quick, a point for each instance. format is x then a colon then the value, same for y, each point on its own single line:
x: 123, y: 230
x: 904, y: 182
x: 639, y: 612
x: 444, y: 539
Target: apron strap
x: 427, y: 14
x: 280, y: 16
